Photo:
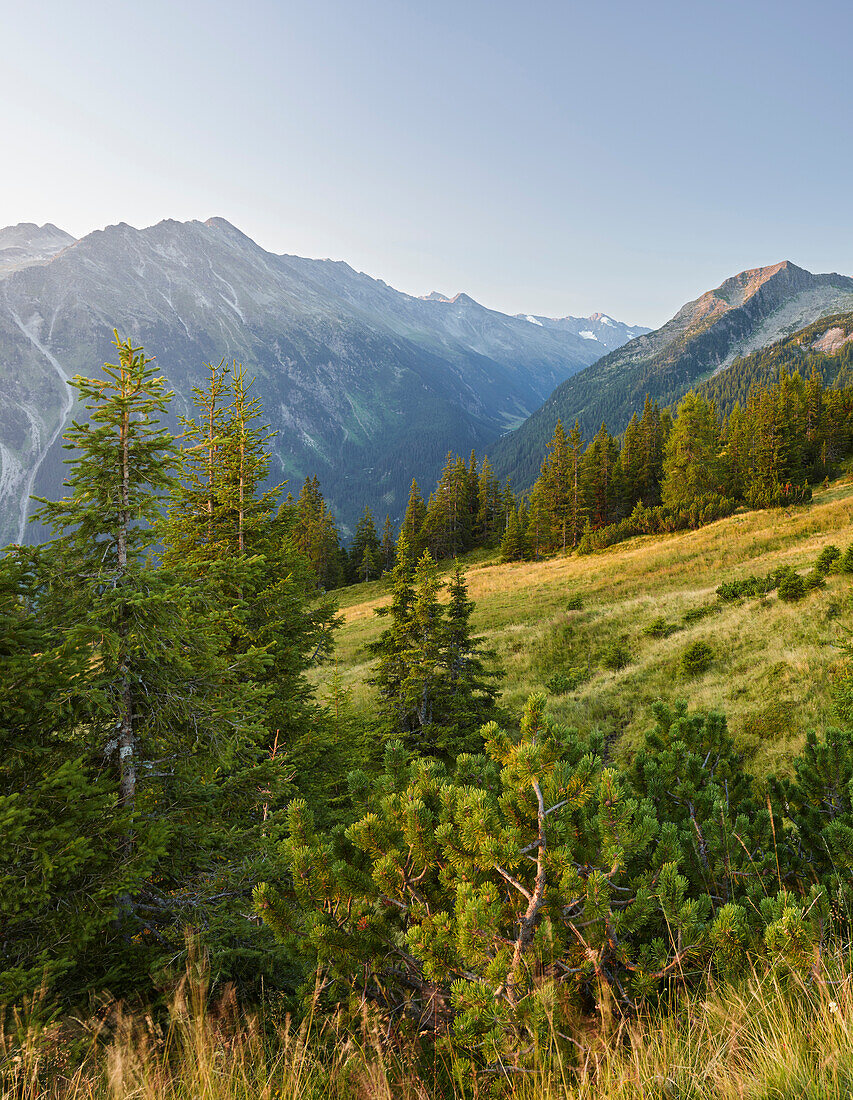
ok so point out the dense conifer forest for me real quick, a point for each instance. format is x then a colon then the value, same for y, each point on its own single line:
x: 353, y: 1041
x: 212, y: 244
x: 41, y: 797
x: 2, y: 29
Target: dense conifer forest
x: 470, y: 886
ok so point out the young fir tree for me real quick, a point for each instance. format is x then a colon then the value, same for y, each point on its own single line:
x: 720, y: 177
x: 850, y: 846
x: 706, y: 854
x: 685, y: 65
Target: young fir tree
x: 413, y: 522
x: 434, y: 690
x: 160, y: 700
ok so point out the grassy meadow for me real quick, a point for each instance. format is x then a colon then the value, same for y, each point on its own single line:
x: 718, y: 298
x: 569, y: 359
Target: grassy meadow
x: 772, y: 663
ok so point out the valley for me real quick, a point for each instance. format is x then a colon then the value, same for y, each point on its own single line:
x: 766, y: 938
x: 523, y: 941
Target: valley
x: 366, y: 386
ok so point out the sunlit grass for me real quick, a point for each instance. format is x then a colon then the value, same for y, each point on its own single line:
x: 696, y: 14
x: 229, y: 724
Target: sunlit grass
x: 773, y: 663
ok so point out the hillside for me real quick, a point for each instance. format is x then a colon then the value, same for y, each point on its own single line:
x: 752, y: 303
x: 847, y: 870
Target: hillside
x: 366, y: 386
x: 747, y: 312
x: 772, y: 667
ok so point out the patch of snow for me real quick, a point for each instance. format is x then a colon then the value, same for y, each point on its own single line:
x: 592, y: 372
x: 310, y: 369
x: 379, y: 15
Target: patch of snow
x: 533, y: 320
x: 68, y: 404
x: 587, y: 335
x: 605, y: 320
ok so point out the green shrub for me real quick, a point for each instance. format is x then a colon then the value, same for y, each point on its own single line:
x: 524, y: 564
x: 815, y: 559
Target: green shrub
x: 792, y: 587
x: 742, y: 589
x: 696, y: 614
x: 574, y: 602
x: 846, y: 563
x: 615, y: 656
x: 567, y: 680
x: 696, y: 658
x: 827, y: 561
x: 659, y: 628
x: 814, y: 579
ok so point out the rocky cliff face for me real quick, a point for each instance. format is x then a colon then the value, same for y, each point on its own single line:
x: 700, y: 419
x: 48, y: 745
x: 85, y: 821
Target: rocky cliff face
x: 748, y: 311
x: 367, y: 387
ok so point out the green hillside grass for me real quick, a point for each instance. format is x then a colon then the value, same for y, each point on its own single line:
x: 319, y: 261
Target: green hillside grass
x: 773, y: 663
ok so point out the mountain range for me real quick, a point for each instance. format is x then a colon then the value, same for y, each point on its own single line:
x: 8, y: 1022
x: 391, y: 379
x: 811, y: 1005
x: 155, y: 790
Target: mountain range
x: 365, y: 385
x: 747, y: 312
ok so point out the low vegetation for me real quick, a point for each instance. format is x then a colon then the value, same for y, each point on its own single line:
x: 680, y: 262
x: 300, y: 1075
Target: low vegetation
x: 574, y: 826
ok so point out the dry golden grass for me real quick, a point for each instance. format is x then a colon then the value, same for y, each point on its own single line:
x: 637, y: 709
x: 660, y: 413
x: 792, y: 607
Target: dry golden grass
x: 766, y: 1037
x: 773, y: 662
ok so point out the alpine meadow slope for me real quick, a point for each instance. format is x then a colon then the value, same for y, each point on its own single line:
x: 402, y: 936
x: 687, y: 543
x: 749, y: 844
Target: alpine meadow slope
x: 366, y: 386
x: 747, y: 312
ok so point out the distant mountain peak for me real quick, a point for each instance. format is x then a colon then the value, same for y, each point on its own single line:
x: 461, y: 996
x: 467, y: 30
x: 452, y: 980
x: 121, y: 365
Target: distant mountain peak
x: 26, y: 244
x: 224, y: 226
x: 435, y: 296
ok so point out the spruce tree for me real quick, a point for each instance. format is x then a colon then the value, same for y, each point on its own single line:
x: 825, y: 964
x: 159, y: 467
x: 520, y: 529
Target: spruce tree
x: 365, y: 553
x: 388, y: 549
x: 693, y: 466
x: 576, y: 510
x: 317, y: 535
x: 395, y: 639
x: 449, y: 517
x: 601, y: 475
x: 471, y: 671
x: 434, y: 689
x: 554, y: 492
x: 247, y: 553
x: 514, y: 545
x: 64, y: 863
x: 490, y: 519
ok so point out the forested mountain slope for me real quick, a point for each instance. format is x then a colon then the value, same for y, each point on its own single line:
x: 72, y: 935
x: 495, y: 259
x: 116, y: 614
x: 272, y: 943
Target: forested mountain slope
x: 825, y: 347
x: 366, y: 386
x: 747, y: 312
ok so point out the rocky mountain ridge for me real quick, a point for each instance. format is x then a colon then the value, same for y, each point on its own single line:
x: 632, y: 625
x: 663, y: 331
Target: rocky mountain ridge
x: 365, y: 385
x: 26, y: 244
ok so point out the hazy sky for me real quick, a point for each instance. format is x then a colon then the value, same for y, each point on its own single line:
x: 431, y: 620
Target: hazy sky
x: 544, y: 157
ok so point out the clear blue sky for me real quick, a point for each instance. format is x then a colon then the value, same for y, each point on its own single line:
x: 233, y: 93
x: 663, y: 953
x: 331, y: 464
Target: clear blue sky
x: 544, y: 157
